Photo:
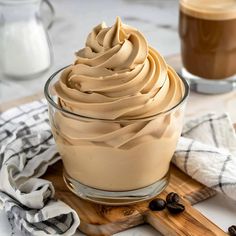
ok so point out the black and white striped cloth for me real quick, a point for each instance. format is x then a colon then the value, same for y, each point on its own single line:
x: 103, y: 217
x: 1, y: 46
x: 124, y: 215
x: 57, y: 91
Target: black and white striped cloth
x: 206, y: 152
x: 26, y: 150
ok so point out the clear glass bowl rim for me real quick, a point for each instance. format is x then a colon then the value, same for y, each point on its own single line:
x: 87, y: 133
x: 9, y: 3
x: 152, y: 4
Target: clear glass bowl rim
x: 57, y: 107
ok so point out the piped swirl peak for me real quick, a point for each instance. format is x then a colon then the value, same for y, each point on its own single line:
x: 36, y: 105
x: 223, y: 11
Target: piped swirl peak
x: 119, y: 47
x: 118, y: 75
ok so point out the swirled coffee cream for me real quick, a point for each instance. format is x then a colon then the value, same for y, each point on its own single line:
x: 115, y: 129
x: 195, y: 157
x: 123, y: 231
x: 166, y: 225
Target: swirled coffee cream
x: 121, y: 111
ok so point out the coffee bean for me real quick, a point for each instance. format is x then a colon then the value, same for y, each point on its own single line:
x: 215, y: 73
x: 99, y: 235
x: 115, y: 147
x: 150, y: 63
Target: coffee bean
x: 172, y: 198
x: 232, y: 230
x: 157, y: 204
x: 175, y: 208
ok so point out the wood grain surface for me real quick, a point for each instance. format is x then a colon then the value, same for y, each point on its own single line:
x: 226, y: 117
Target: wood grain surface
x: 106, y: 220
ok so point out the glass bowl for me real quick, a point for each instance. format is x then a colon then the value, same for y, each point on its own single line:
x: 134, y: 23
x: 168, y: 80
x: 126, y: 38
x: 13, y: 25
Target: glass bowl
x: 117, y: 162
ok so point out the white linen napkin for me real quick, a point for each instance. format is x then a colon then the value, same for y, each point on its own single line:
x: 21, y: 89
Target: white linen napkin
x: 206, y: 152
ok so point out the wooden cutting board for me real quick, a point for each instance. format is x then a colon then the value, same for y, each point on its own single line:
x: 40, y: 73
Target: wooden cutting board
x: 106, y: 220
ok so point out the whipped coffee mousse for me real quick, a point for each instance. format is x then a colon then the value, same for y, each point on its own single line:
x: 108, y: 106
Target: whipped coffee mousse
x: 123, y: 111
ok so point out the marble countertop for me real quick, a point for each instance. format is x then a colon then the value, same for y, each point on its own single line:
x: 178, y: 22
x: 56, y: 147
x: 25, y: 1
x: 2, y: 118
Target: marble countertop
x: 158, y: 20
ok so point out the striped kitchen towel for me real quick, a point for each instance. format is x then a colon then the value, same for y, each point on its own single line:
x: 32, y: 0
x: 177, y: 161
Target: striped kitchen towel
x: 207, y: 152
x: 26, y: 150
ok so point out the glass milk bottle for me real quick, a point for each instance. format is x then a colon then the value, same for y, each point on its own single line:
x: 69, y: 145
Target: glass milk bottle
x: 24, y: 44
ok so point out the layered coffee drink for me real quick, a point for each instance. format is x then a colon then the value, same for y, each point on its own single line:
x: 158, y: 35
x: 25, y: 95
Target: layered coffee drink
x: 207, y: 31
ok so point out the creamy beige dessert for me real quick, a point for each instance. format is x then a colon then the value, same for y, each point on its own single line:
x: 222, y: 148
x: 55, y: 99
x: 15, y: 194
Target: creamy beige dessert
x: 127, y: 106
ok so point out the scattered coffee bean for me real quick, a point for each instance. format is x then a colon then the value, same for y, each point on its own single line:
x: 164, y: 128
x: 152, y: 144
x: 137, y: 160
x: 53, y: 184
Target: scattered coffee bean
x: 175, y: 208
x: 172, y: 198
x: 157, y: 204
x: 232, y: 230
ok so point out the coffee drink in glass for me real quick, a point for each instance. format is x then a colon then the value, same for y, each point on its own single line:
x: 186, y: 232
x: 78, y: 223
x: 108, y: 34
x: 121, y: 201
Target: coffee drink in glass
x: 207, y: 30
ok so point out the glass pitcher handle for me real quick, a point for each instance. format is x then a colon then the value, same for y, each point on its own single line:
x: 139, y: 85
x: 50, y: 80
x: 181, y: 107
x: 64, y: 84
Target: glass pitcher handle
x: 50, y: 16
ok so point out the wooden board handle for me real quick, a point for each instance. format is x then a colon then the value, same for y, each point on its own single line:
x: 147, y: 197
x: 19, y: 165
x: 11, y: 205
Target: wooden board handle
x: 188, y: 223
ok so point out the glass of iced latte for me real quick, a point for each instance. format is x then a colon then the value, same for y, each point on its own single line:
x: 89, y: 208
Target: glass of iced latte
x: 207, y: 31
